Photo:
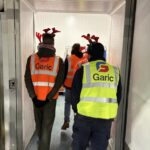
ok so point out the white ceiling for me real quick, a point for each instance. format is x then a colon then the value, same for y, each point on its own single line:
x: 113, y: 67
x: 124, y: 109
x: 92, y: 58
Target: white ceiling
x: 81, y: 6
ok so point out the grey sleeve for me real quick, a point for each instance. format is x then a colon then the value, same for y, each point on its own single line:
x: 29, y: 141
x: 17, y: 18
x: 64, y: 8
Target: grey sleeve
x: 28, y: 80
x: 59, y: 80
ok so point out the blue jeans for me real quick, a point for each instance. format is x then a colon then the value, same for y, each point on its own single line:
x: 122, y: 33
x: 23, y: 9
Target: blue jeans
x: 86, y: 129
x: 67, y: 105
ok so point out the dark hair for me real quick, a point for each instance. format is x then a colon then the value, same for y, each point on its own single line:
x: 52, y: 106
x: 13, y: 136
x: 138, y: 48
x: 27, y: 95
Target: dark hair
x: 96, y: 50
x: 76, y: 50
x: 48, y: 38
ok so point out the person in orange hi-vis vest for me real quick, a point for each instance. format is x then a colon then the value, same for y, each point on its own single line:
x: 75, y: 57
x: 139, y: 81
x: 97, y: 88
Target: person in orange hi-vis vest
x: 85, y: 55
x: 43, y: 78
x: 72, y: 63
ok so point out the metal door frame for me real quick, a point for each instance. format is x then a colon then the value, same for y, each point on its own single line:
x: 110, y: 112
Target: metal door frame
x: 19, y: 120
x: 10, y: 77
x: 2, y: 136
x: 125, y: 73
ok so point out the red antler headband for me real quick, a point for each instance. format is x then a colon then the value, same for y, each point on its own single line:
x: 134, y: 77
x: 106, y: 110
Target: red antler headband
x: 96, y: 38
x: 39, y: 36
x: 87, y: 37
x: 90, y: 38
x: 46, y: 30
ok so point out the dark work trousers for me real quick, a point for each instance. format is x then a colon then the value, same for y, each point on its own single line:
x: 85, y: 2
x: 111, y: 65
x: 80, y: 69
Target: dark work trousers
x: 67, y: 105
x: 44, y: 119
x: 86, y: 129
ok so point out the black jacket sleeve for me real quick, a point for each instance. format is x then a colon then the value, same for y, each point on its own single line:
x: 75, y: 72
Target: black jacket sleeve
x: 66, y: 68
x: 28, y: 80
x: 76, y: 89
x: 119, y: 91
x: 58, y: 82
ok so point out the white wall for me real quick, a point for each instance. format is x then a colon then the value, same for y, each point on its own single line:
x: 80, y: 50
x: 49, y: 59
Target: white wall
x: 138, y: 123
x: 26, y: 50
x: 72, y: 26
x: 116, y: 38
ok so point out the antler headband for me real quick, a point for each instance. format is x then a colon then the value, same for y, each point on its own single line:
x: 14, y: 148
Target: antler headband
x: 91, y: 38
x: 39, y: 35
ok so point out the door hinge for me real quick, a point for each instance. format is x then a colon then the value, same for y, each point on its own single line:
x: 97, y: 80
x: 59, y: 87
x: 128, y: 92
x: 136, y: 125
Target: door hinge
x: 12, y: 84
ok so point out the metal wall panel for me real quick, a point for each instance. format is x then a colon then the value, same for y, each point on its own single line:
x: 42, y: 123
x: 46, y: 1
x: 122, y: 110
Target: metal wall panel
x: 2, y: 134
x: 138, y: 121
x: 115, y: 47
x: 10, y: 47
x: 27, y: 42
x: 116, y: 38
x: 9, y: 74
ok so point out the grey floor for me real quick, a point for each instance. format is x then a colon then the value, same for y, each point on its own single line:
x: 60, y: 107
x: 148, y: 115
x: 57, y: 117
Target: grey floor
x: 61, y: 140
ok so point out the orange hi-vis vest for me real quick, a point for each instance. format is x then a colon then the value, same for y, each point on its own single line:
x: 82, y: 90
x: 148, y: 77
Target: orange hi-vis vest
x: 43, y: 74
x: 74, y: 63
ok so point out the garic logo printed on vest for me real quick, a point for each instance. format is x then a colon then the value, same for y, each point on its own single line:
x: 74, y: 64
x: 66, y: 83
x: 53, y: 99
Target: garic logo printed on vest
x: 101, y: 67
x: 43, y: 66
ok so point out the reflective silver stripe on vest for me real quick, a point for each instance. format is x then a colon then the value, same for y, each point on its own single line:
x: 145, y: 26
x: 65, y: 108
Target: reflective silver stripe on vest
x: 56, y: 61
x: 32, y: 64
x: 69, y: 66
x: 99, y: 84
x: 116, y: 74
x: 43, y: 84
x: 45, y: 72
x: 88, y: 74
x: 70, y: 77
x: 53, y: 72
x: 103, y: 100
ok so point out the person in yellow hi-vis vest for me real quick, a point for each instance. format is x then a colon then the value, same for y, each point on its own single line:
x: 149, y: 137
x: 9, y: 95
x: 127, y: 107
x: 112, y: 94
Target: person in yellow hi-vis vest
x: 96, y: 93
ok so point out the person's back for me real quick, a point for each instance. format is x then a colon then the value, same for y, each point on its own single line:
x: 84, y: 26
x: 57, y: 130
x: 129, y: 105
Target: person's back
x: 43, y: 78
x: 95, y: 100
x: 72, y: 64
x: 98, y: 97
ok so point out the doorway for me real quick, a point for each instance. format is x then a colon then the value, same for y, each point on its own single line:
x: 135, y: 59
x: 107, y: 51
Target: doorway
x: 21, y: 106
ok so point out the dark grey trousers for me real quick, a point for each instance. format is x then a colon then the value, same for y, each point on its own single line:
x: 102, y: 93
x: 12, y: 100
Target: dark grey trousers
x: 44, y: 119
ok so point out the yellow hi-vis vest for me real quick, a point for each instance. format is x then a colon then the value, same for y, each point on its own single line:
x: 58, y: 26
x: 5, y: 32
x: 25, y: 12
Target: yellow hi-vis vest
x: 98, y: 98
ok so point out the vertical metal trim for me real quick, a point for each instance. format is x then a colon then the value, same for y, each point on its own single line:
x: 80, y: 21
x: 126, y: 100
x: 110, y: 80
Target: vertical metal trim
x: 2, y: 134
x: 125, y: 73
x: 19, y: 120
